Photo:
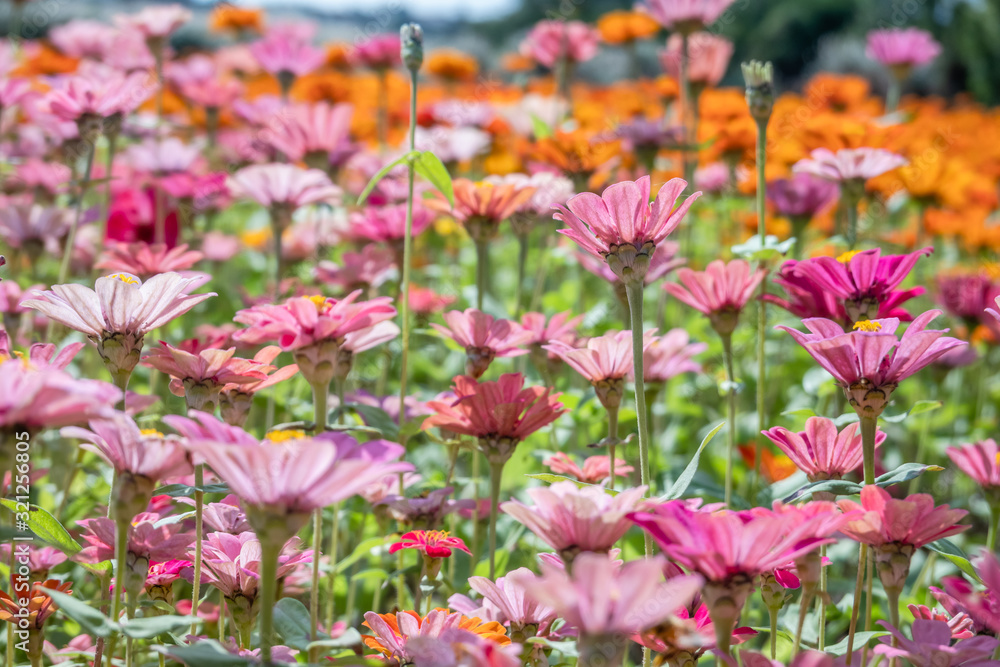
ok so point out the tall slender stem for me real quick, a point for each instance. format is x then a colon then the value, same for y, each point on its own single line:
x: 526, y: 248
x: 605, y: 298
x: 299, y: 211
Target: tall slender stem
x: 496, y: 477
x: 382, y: 118
x: 762, y: 306
x: 407, y: 254
x: 482, y: 276
x: 821, y: 598
x: 727, y: 356
x: 333, y: 549
x: 613, y: 439
x: 991, y: 535
x: 477, y: 529
x: 317, y: 546
x: 805, y: 599
x: 277, y: 227
x: 772, y: 614
x: 121, y: 552
x: 110, y: 163
x: 199, y: 509
x: 851, y: 209
x: 634, y: 293
x: 522, y: 263
x: 77, y: 215
x: 269, y: 591
x: 321, y: 402
x: 869, y: 428
x: 856, y: 607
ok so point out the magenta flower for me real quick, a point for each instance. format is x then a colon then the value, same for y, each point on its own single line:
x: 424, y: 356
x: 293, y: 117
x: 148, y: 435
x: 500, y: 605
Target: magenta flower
x: 606, y: 603
x: 379, y: 52
x: 140, y: 459
x: 871, y: 361
x: 932, y: 646
x: 431, y: 543
x: 572, y: 520
x: 980, y: 461
x: 595, y: 469
x: 621, y: 225
x: 667, y: 356
x: 370, y: 268
x: 709, y: 57
x: 961, y: 625
x: 685, y: 15
x: 801, y: 196
x: 147, y: 260
x: 387, y: 224
x: 483, y: 337
x: 820, y: 451
x: 721, y: 291
x: 551, y: 40
x: 982, y: 606
x: 902, y: 47
x: 313, y: 328
x: 864, y: 281
x: 500, y: 413
x: 280, y: 482
x: 965, y: 295
x: 849, y: 164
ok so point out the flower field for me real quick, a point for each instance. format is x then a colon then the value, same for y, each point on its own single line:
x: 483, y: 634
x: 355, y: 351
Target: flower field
x: 378, y: 354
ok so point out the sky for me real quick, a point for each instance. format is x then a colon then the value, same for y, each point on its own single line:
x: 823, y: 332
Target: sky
x: 459, y: 9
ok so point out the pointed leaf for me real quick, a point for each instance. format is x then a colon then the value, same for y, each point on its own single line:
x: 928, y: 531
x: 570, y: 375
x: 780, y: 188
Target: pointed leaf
x: 204, y: 653
x: 91, y: 620
x: 680, y: 486
x: 183, y: 490
x: 905, y: 473
x: 860, y: 640
x: 153, y: 626
x: 381, y: 173
x: 838, y: 487
x: 919, y: 407
x: 44, y: 525
x: 430, y: 167
x: 291, y: 622
x: 950, y: 550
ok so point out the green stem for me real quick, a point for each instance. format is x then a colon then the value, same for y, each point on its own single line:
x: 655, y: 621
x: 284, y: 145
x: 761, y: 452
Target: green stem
x: 407, y: 254
x: 634, y: 292
x: 476, y: 523
x: 110, y: 162
x: 482, y: 278
x: 773, y: 617
x: 317, y: 546
x: 496, y: 476
x: 893, y: 94
x: 277, y: 227
x: 856, y: 607
x: 199, y: 508
x: 851, y: 209
x: 821, y: 630
x: 727, y: 356
x: 613, y: 437
x: 333, y: 549
x: 321, y: 403
x: 869, y: 601
x: 269, y: 591
x: 869, y: 428
x: 418, y: 593
x: 762, y: 306
x: 522, y: 263
x: 121, y: 552
x: 77, y: 215
x: 991, y: 535
x: 804, y: 601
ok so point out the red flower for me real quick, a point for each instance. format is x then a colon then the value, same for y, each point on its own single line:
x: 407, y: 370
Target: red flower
x: 433, y: 543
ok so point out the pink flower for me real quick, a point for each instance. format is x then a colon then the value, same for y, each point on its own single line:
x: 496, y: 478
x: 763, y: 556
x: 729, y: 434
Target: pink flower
x: 81, y: 38
x: 902, y: 47
x: 572, y: 520
x: 102, y: 97
x: 982, y: 606
x: 33, y: 399
x: 709, y: 57
x: 164, y: 156
x: 36, y: 174
x: 820, y: 451
x: 281, y: 482
x: 623, y: 216
x: 802, y: 195
x: 865, y: 281
x: 156, y: 21
x: 510, y: 601
x: 662, y: 263
x: 236, y: 398
x: 147, y: 538
x: 379, y: 52
x: 431, y: 543
x: 285, y: 185
x: 667, y: 356
x: 849, y: 164
x: 387, y: 224
x: 931, y: 646
x: 307, y: 130
x: 481, y: 207
x: 600, y: 599
x: 39, y: 559
x: 368, y: 269
x: 147, y: 260
x: 424, y: 512
x: 501, y: 413
x: 605, y: 361
x: 200, y: 377
x: 34, y: 228
x: 550, y: 41
x: 965, y: 295
x: 979, y: 461
x: 892, y: 522
x: 721, y: 291
x: 685, y: 15
x: 961, y: 625
x: 595, y: 469
x: 483, y: 337
x: 561, y: 327
x: 425, y: 301
x: 871, y: 361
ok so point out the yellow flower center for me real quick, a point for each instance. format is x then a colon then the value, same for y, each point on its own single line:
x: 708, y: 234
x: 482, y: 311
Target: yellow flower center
x: 847, y: 256
x: 125, y: 278
x: 285, y: 435
x: 322, y: 303
x: 867, y: 325
x: 151, y: 433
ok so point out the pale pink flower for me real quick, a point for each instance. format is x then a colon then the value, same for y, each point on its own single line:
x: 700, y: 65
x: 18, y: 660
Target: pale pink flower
x: 98, y: 97
x: 34, y: 228
x: 36, y: 398
x: 283, y: 55
x: 128, y: 450
x: 284, y: 185
x: 685, y: 15
x: 453, y: 144
x: 602, y: 358
x: 595, y: 469
x: 200, y: 377
x: 721, y: 291
x: 672, y: 354
x: 219, y: 247
x: 368, y: 269
x: 820, y: 451
x: 32, y: 174
x: 147, y: 538
x: 623, y: 216
x: 147, y: 260
x: 483, y: 337
x: 157, y: 21
x: 163, y: 156
x: 40, y: 559
x: 82, y: 38
x: 572, y: 520
x: 388, y: 223
x: 980, y: 461
x: 902, y: 47
x: 315, y: 132
x: 130, y: 54
x: 511, y: 601
x: 709, y: 57
x: 379, y: 52
x: 551, y: 40
x: 425, y: 301
x: 849, y: 164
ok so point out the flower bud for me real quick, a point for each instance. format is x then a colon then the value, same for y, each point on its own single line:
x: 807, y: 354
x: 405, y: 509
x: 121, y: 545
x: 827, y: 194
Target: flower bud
x: 759, y: 78
x: 411, y: 47
x: 774, y: 594
x: 629, y: 263
x: 201, y: 395
x: 892, y: 561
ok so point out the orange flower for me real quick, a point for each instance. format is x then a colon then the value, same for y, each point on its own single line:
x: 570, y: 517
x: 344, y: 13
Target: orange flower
x: 586, y: 158
x: 491, y: 630
x: 333, y: 87
x: 40, y: 605
x: 621, y: 26
x: 774, y: 467
x: 515, y: 62
x: 452, y: 65
x: 46, y: 61
x: 238, y: 19
x: 481, y: 207
x: 338, y: 56
x: 667, y: 87
x: 842, y: 92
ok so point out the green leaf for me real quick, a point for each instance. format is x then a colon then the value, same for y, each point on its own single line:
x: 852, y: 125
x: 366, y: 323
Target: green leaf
x: 681, y: 484
x: 373, y: 417
x: 905, y: 473
x: 784, y: 634
x: 91, y: 620
x: 919, y: 407
x: 204, y: 653
x: 183, y: 490
x: 351, y: 637
x: 354, y: 661
x: 7, y: 534
x: 291, y: 622
x: 430, y: 167
x: 374, y: 574
x: 153, y: 626
x: 566, y: 647
x: 45, y: 526
x: 540, y: 128
x: 381, y: 173
x: 860, y: 640
x: 838, y: 487
x: 769, y: 250
x: 363, y: 550
x: 950, y: 550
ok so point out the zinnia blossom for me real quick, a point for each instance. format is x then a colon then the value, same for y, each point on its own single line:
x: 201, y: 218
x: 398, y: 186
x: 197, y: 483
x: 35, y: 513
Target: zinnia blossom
x: 902, y: 48
x: 605, y: 361
x: 932, y: 646
x: 431, y: 543
x: 685, y: 16
x: 820, y: 451
x: 721, y: 291
x: 980, y: 461
x: 550, y: 41
x: 481, y: 207
x: 394, y: 633
x: 483, y: 337
x: 595, y: 469
x: 849, y: 164
x: 200, y: 377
